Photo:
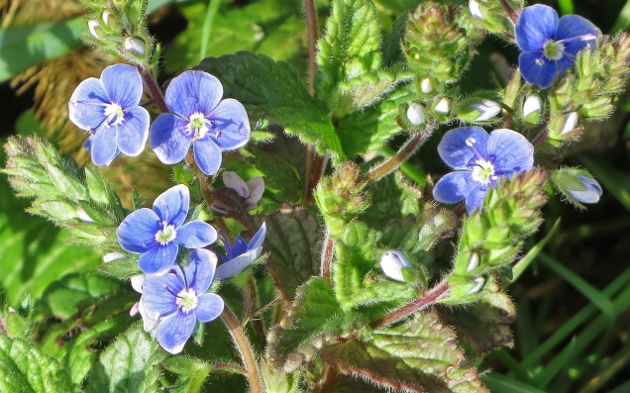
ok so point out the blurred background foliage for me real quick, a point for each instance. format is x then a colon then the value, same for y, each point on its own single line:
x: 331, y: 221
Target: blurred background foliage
x: 572, y: 333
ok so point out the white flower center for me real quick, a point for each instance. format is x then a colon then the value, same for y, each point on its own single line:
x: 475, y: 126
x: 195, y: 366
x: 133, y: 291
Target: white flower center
x: 553, y: 50
x: 187, y: 300
x: 198, y: 125
x: 483, y: 171
x: 115, y: 114
x: 166, y: 235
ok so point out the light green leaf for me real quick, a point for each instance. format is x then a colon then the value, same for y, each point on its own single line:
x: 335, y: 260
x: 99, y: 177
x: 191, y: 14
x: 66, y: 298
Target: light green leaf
x: 272, y: 90
x: 24, y: 368
x: 131, y: 364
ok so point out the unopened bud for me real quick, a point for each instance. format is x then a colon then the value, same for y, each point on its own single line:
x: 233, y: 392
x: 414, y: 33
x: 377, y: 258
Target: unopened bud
x: 570, y: 123
x: 105, y: 16
x: 83, y: 216
x: 473, y: 262
x: 92, y: 25
x: 416, y: 114
x: 564, y: 127
x: 487, y: 110
x: 577, y: 185
x: 443, y: 107
x: 392, y: 263
x: 532, y: 109
x: 474, y: 9
x: 479, y: 283
x: 426, y: 86
x: 135, y: 45
x: 112, y: 256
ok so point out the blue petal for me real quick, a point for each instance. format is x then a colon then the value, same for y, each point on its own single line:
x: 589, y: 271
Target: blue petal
x: 172, y: 205
x: 159, y: 292
x: 234, y: 266
x: 575, y: 32
x: 104, y: 148
x: 454, y: 187
x: 210, y: 306
x: 259, y: 237
x: 537, y: 70
x: 591, y: 194
x: 158, y: 259
x: 196, y: 234
x: 134, y: 131
x: 455, y: 151
x: 239, y: 247
x: 175, y: 330
x: 475, y: 198
x: 535, y: 25
x: 123, y: 85
x: 200, y: 270
x: 193, y: 92
x: 510, y: 152
x: 230, y: 125
x: 137, y: 231
x: 86, y: 108
x: 207, y: 156
x: 170, y: 140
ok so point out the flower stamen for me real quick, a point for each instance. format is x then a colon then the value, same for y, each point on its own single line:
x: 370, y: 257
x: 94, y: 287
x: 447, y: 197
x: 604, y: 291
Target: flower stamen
x: 187, y: 300
x: 198, y: 125
x: 167, y: 234
x: 114, y: 114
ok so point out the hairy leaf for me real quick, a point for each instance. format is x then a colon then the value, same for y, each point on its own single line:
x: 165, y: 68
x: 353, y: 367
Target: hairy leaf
x: 391, y: 199
x: 294, y: 238
x: 272, y: 90
x: 24, y: 368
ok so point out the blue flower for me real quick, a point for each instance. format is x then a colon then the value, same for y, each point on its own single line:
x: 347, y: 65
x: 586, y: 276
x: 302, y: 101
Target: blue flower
x: 392, y: 264
x: 590, y: 192
x: 240, y: 254
x: 156, y: 233
x: 550, y: 44
x: 108, y: 109
x: 176, y: 300
x: 199, y: 117
x: 480, y: 160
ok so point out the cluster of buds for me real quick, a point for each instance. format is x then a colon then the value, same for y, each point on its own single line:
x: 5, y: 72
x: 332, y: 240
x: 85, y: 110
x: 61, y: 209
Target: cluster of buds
x: 496, y: 16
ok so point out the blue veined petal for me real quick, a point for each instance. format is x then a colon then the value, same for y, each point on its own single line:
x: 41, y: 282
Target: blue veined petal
x: 576, y: 34
x: 123, y: 85
x: 158, y: 259
x: 137, y: 231
x: 475, y: 198
x: 591, y: 194
x: 510, y: 152
x: 104, y: 147
x: 200, y: 270
x: 239, y: 246
x: 210, y: 306
x: 159, y: 292
x: 193, y: 92
x: 454, y: 147
x: 259, y: 237
x: 454, y: 187
x: 196, y: 234
x: 172, y: 205
x: 230, y: 125
x: 134, y: 131
x: 537, y: 70
x: 392, y: 262
x: 86, y: 108
x: 207, y: 156
x: 535, y: 25
x: 236, y: 265
x: 175, y: 330
x: 170, y: 140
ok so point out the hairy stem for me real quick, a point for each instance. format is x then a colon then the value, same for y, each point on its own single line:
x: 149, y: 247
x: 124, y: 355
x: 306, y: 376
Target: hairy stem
x: 407, y: 150
x: 328, y: 380
x: 326, y: 259
x: 510, y: 10
x: 429, y: 298
x: 154, y: 89
x: 244, y: 348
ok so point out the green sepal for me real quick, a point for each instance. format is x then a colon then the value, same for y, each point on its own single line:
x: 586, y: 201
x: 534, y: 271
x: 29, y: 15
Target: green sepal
x: 193, y: 371
x: 277, y: 95
x: 278, y: 381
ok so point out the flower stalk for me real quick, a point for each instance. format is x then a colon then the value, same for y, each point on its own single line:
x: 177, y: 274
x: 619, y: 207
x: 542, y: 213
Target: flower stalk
x: 154, y: 89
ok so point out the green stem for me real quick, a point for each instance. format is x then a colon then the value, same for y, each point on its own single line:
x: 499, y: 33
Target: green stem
x: 429, y: 298
x: 326, y: 259
x: 244, y: 348
x: 407, y: 150
x: 206, y: 29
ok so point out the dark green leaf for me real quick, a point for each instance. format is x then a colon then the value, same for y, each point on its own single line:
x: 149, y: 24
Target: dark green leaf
x: 391, y: 199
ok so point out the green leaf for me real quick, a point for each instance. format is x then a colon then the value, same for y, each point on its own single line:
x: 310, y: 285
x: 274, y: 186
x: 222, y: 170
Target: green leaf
x: 26, y: 369
x: 391, y: 199
x: 282, y: 162
x: 194, y: 370
x: 349, y: 56
x: 419, y: 355
x: 131, y: 364
x: 371, y: 128
x: 272, y: 90
x: 26, y: 46
x: 483, y: 325
x: 294, y: 238
x: 279, y: 381
x: 313, y: 313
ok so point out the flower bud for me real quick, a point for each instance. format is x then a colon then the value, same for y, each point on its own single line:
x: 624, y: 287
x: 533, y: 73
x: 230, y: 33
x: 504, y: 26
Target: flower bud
x: 443, y: 107
x: 416, y: 114
x: 577, y: 185
x: 473, y: 262
x: 426, y: 86
x: 105, y: 17
x: 570, y: 123
x: 487, y: 110
x: 479, y: 283
x: 112, y: 256
x: 564, y: 127
x: 474, y: 9
x: 135, y: 45
x: 392, y: 263
x: 532, y: 109
x: 92, y: 26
